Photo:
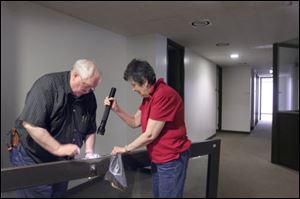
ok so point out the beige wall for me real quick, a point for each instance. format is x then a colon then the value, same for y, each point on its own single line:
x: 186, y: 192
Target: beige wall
x: 236, y: 98
x: 200, y: 96
x: 36, y: 40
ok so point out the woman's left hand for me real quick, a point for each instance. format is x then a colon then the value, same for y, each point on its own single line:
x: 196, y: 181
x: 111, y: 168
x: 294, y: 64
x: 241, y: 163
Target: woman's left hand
x: 118, y: 150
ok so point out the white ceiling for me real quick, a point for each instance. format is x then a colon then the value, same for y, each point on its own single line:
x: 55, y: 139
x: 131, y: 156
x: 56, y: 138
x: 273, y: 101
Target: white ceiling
x: 251, y: 27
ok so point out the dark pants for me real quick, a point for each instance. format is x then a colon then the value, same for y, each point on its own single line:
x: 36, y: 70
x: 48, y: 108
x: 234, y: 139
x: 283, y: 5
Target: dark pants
x: 19, y: 157
x: 168, y: 178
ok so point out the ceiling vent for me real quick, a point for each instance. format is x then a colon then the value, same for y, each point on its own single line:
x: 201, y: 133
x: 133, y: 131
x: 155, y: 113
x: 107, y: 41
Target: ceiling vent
x: 201, y: 23
x: 222, y: 44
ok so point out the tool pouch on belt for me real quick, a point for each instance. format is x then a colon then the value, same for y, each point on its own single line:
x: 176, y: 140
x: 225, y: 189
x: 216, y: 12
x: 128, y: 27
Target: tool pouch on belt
x: 14, y: 139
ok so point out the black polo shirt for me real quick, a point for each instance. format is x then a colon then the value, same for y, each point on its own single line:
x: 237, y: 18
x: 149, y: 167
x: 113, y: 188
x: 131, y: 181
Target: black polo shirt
x: 50, y: 104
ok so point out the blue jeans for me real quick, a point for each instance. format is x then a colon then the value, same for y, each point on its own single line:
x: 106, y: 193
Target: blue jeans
x: 168, y: 178
x: 19, y: 157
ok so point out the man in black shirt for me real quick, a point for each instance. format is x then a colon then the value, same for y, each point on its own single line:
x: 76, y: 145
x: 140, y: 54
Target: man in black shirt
x: 58, y: 116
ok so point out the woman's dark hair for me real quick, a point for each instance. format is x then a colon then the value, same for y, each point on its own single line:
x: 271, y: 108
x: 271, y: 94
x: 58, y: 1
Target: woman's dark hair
x: 139, y: 71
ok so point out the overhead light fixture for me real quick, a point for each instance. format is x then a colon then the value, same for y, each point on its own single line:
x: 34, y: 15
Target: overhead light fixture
x: 271, y: 71
x: 186, y: 60
x: 267, y: 46
x: 234, y: 56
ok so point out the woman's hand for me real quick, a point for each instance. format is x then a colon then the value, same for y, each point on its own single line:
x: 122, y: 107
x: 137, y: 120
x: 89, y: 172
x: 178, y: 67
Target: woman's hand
x: 108, y: 101
x: 118, y: 150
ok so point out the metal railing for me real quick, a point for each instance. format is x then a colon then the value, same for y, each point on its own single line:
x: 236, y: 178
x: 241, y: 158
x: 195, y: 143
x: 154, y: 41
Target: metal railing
x: 15, y: 178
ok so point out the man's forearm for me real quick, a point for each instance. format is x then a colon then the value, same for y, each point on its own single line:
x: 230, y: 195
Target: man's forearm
x: 90, y: 143
x: 43, y: 138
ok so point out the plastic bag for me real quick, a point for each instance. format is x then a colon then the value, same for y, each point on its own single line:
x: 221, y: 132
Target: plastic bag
x: 116, y: 173
x: 92, y: 156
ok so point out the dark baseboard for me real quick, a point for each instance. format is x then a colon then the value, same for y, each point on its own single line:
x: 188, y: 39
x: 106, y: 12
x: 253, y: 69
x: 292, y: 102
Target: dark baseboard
x: 211, y: 137
x: 227, y: 131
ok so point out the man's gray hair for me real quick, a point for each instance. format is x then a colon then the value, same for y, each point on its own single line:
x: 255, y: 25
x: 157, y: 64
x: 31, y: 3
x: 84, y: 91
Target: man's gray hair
x: 85, y: 68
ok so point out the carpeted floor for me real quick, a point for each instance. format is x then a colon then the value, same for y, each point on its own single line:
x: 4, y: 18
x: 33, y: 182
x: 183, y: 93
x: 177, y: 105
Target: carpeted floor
x: 246, y: 169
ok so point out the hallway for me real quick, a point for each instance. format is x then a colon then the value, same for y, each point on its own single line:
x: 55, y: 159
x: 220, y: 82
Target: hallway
x: 246, y: 170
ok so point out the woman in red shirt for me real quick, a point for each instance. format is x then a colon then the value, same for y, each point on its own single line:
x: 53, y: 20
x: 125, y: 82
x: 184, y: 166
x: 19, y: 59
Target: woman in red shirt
x: 161, y: 118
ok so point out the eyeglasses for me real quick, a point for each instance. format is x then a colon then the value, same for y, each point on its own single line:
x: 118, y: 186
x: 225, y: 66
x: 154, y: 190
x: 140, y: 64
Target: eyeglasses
x: 86, y: 88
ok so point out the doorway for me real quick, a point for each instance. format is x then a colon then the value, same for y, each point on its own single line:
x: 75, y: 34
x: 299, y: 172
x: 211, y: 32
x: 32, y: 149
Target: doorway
x: 175, y: 67
x: 266, y: 99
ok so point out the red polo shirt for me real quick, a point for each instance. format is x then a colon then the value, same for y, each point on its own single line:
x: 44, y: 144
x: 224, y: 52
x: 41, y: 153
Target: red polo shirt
x: 164, y: 104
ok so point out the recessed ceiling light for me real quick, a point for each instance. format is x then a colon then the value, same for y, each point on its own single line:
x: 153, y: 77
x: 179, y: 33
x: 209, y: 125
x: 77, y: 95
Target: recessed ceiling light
x: 234, y: 56
x: 268, y: 46
x: 201, y: 23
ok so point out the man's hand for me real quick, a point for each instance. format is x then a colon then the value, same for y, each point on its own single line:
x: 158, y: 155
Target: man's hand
x: 67, y: 150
